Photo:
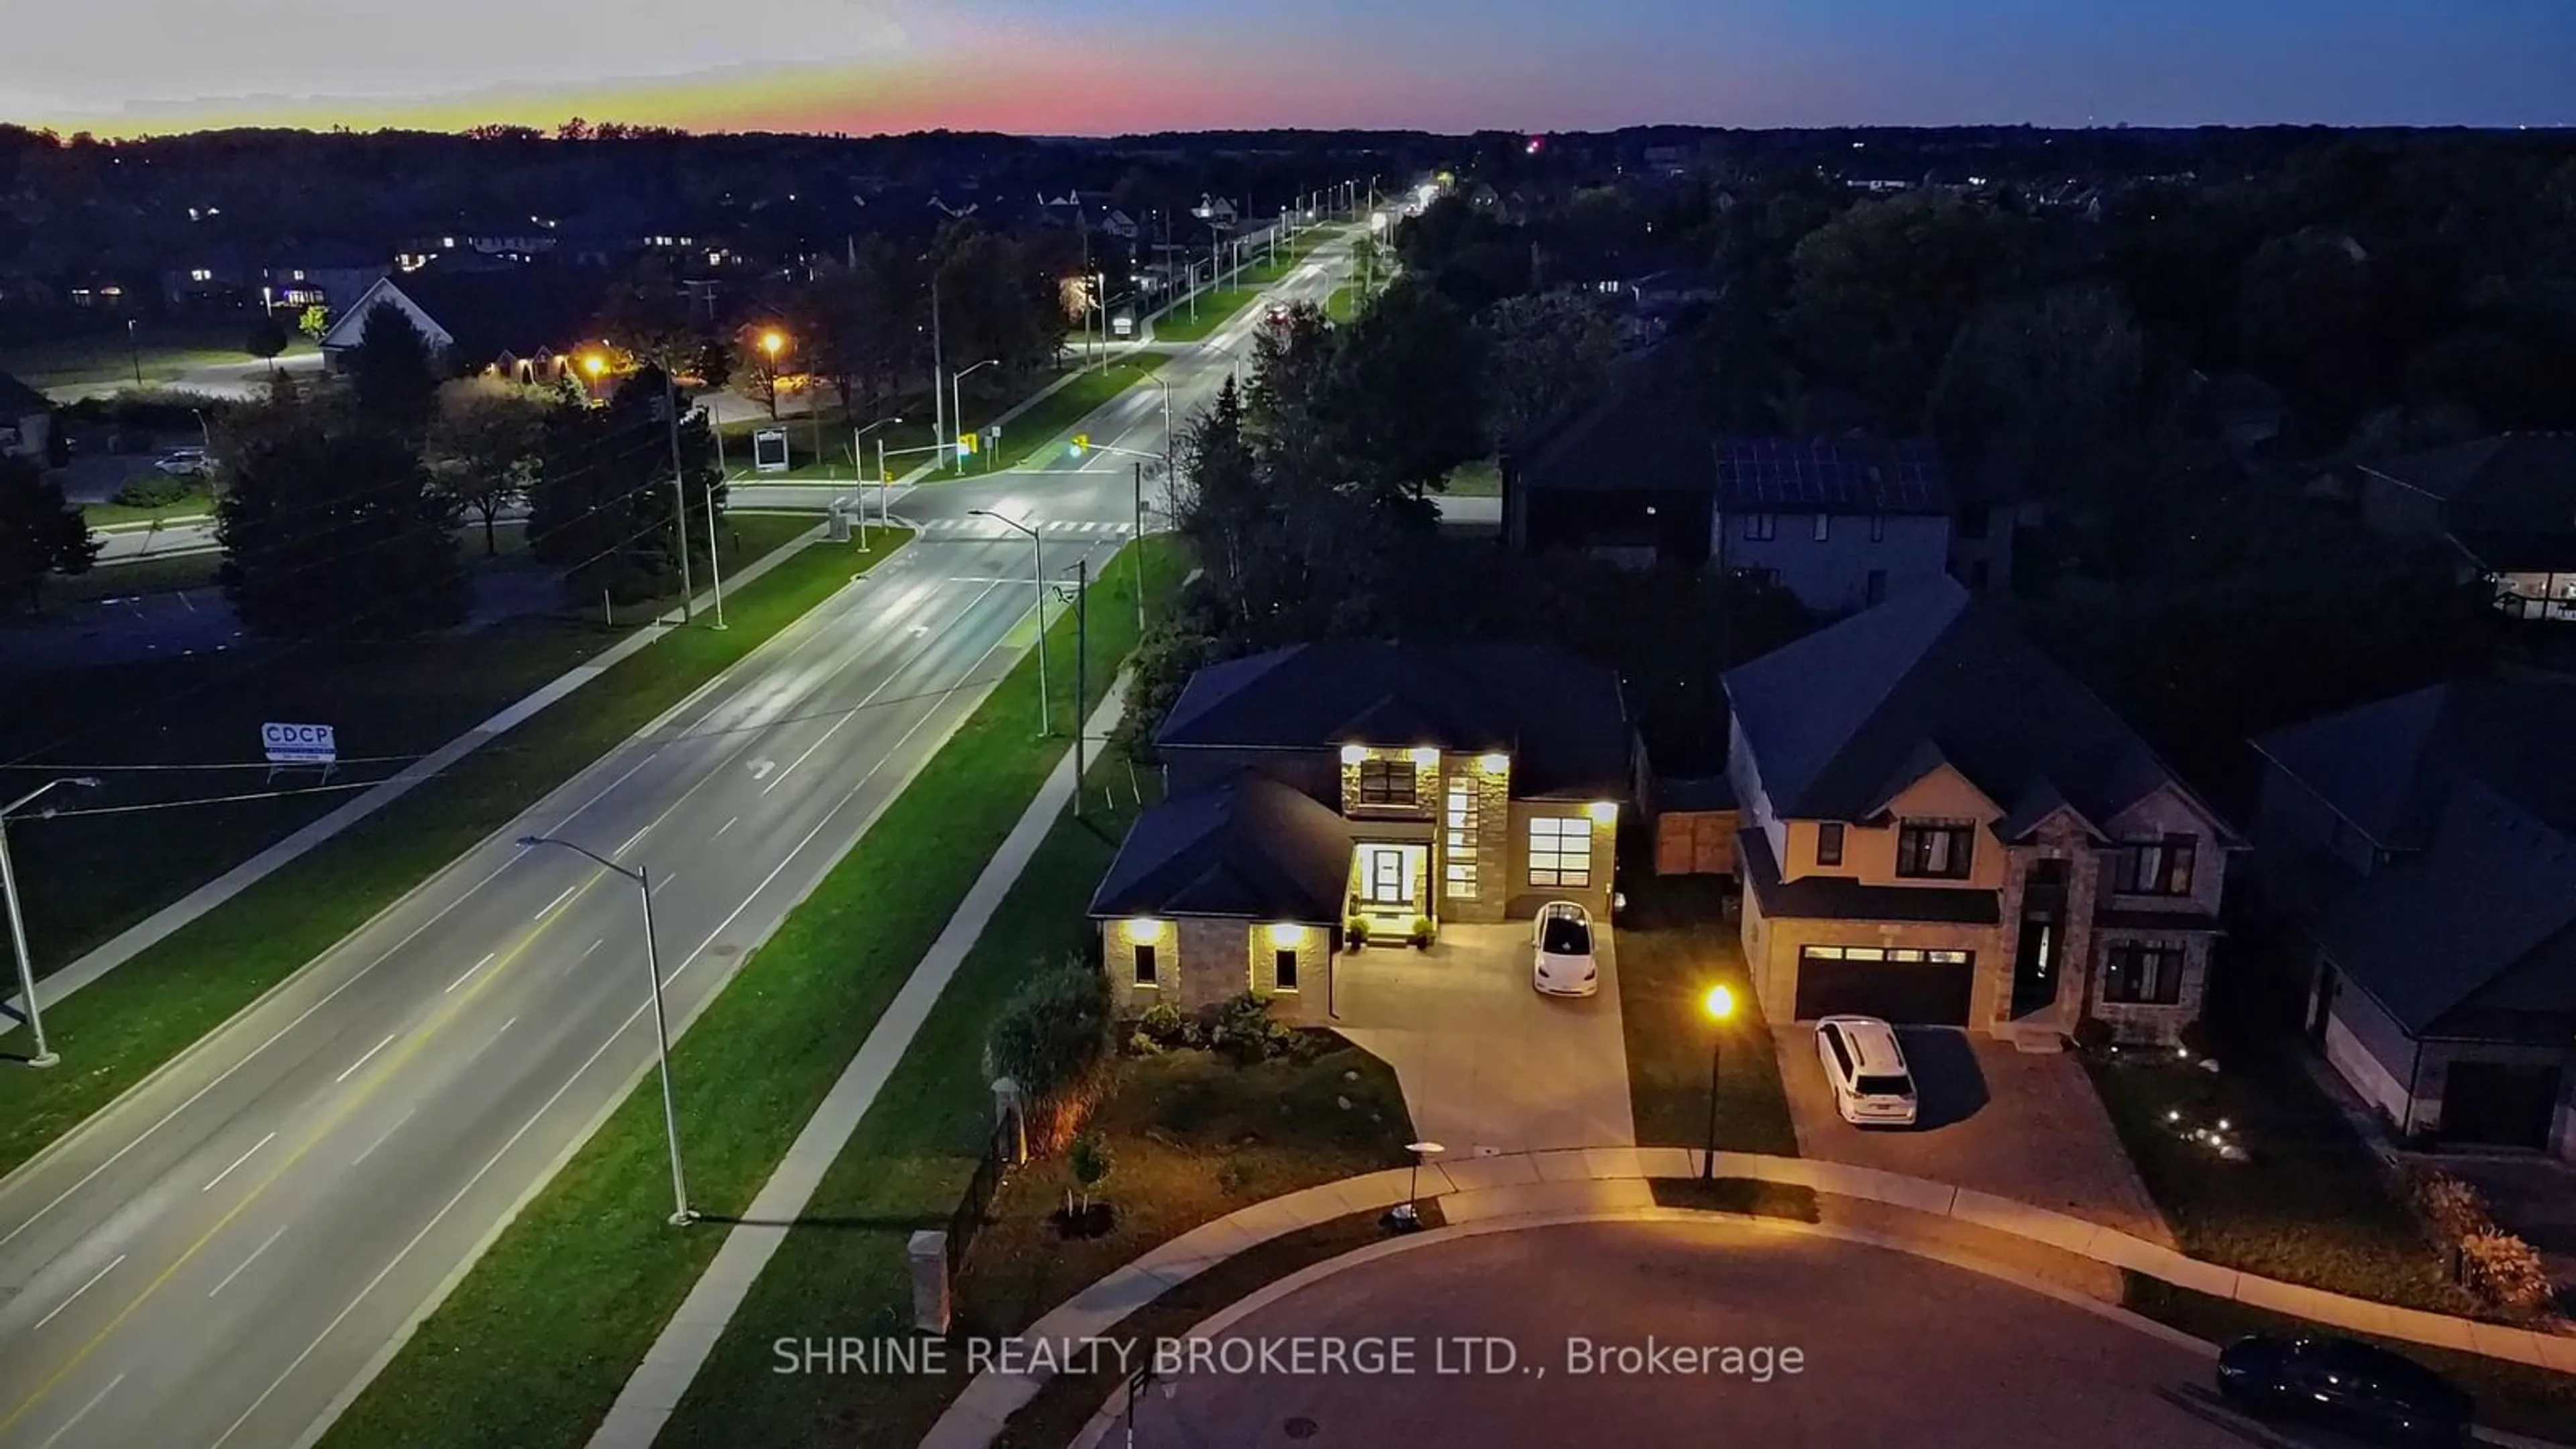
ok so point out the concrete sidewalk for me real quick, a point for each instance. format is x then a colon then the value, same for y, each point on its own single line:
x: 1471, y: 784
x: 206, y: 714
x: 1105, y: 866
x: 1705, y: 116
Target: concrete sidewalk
x: 161, y: 924
x: 1583, y: 1183
x: 655, y: 1388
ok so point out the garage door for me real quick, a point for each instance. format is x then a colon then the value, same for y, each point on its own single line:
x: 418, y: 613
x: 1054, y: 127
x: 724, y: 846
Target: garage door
x: 2499, y: 1104
x: 1916, y: 988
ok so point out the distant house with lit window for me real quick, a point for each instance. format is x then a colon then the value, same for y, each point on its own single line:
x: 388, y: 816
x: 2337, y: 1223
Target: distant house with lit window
x: 522, y: 322
x: 1939, y: 826
x: 2506, y: 503
x: 1336, y: 797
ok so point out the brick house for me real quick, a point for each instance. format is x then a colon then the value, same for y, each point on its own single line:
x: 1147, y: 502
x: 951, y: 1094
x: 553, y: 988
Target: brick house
x: 1940, y: 826
x: 2424, y: 848
x: 1333, y: 798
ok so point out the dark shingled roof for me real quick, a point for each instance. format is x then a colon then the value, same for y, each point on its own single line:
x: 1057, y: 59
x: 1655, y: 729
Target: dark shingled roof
x: 1247, y: 847
x: 1560, y: 719
x: 2509, y: 501
x: 1842, y: 899
x: 17, y: 400
x: 1843, y: 720
x: 2471, y: 928
x: 518, y: 311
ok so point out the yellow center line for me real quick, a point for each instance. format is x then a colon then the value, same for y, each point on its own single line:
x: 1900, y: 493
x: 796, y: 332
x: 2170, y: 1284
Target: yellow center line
x: 366, y: 1088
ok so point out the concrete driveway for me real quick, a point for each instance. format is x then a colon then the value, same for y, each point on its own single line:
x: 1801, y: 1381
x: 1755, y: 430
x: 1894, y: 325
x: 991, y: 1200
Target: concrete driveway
x: 2017, y: 1124
x: 1487, y: 1064
x: 1507, y: 1334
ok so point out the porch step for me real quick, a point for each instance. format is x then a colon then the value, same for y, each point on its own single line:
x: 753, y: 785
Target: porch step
x: 2038, y: 1040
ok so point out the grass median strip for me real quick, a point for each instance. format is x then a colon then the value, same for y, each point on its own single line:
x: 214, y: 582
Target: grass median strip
x: 567, y: 1300
x: 128, y: 1022
x: 1046, y: 420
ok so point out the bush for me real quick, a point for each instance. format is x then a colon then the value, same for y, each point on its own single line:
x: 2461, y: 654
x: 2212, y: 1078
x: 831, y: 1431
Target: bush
x: 1244, y: 1030
x: 1052, y: 1038
x: 2092, y: 1034
x: 1089, y: 1160
x: 2197, y: 1038
x: 1165, y: 1027
x: 2501, y: 1269
x: 156, y: 490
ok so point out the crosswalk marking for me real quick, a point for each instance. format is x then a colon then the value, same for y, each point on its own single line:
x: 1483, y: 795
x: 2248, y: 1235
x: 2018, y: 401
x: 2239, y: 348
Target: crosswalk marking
x: 1057, y: 527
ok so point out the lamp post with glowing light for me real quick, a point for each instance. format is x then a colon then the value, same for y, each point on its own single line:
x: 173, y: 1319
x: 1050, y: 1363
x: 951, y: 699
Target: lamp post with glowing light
x: 593, y: 367
x: 773, y: 342
x: 1719, y: 1005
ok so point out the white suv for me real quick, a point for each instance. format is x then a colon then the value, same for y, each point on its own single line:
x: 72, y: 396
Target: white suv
x: 1866, y: 1069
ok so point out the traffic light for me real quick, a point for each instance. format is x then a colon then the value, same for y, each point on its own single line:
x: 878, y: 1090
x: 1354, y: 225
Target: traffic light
x: 1081, y: 445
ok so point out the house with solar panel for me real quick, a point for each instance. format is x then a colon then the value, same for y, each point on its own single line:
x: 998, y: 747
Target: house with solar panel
x: 1843, y: 523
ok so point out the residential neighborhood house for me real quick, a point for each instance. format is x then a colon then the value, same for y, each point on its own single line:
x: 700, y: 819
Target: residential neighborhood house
x: 1334, y: 798
x: 1940, y: 826
x: 26, y: 419
x: 520, y: 322
x: 2424, y: 847
x: 2507, y: 503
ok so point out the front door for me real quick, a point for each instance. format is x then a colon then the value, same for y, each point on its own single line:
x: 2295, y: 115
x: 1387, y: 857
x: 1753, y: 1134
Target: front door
x: 2043, y: 930
x: 1386, y: 878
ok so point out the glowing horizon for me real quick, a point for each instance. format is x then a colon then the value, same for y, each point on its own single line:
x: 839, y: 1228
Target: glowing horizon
x: 1099, y: 67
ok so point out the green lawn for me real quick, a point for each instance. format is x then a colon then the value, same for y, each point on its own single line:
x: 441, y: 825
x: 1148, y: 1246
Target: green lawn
x: 169, y: 574
x: 2309, y: 1207
x: 1343, y: 304
x: 1216, y: 307
x: 162, y: 1001
x: 835, y: 461
x: 566, y: 1302
x: 112, y: 515
x: 1482, y: 478
x: 1025, y: 435
x: 164, y: 350
x: 1673, y: 945
x: 1192, y: 1137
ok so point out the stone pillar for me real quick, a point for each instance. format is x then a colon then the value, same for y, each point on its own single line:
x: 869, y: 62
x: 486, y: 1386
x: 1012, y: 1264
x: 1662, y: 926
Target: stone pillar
x: 929, y: 1264
x: 1010, y: 1110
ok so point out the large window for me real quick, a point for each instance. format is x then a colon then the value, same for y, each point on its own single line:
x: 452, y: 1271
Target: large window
x: 1829, y: 843
x: 1459, y: 867
x: 1386, y: 782
x: 2139, y: 972
x: 1761, y: 527
x: 1145, y: 965
x: 2159, y: 867
x: 1941, y: 851
x: 1283, y: 969
x: 1560, y: 851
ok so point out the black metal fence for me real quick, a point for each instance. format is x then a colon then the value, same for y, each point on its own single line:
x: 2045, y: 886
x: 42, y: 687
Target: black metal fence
x: 977, y: 1202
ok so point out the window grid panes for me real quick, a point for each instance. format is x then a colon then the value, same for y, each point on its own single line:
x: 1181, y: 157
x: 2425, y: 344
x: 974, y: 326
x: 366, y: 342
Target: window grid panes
x: 1560, y: 851
x: 1462, y: 825
x: 2138, y: 972
x: 1386, y: 782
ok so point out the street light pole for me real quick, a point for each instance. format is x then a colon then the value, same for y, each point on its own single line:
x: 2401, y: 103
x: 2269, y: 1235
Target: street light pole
x: 681, y: 1213
x: 957, y: 407
x: 680, y: 492
x: 43, y: 1055
x: 882, y: 480
x: 1081, y: 670
x: 1037, y: 576
x: 1719, y: 1004
x: 134, y: 349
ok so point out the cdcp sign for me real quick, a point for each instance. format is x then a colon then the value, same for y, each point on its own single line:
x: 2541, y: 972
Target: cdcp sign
x: 299, y: 744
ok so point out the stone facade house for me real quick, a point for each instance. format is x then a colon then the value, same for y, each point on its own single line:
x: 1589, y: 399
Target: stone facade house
x: 1334, y: 798
x: 2424, y: 848
x: 1940, y: 826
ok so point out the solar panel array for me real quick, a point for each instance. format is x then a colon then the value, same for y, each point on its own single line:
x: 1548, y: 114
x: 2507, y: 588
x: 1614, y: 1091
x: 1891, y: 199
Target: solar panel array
x: 1790, y: 475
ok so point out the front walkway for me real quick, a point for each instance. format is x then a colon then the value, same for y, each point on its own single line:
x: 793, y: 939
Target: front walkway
x: 1487, y: 1064
x: 2021, y: 1125
x: 1527, y: 1188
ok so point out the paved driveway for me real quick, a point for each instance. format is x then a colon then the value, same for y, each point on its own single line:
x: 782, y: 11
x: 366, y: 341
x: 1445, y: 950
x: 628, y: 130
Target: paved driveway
x: 1486, y: 1063
x: 2017, y: 1124
x: 1894, y: 1349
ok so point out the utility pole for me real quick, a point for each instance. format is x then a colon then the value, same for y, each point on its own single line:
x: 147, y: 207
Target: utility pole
x: 43, y: 1056
x: 1136, y: 544
x: 938, y: 403
x: 1081, y: 667
x: 680, y: 487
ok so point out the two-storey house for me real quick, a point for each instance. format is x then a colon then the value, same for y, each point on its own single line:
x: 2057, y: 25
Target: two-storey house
x: 1332, y: 797
x: 2506, y: 503
x: 2424, y: 850
x: 1940, y: 826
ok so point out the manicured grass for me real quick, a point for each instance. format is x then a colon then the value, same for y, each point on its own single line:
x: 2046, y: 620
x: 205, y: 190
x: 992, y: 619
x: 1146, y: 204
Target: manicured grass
x: 165, y: 351
x: 2515, y: 1398
x: 835, y: 462
x: 146, y: 1011
x: 565, y: 1303
x: 168, y: 574
x: 2309, y: 1207
x: 1031, y: 432
x: 1673, y: 945
x: 110, y: 515
x: 1482, y: 478
x: 1067, y: 1401
x: 1745, y: 1196
x: 1343, y: 304
x: 1216, y: 307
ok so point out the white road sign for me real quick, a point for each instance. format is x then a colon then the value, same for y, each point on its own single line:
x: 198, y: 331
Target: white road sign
x: 299, y: 744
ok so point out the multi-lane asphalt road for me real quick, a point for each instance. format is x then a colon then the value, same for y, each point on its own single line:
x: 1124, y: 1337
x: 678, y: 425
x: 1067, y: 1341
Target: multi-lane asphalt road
x: 221, y: 1257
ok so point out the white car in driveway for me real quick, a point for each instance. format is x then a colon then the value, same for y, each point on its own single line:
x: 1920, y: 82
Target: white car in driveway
x: 1866, y: 1070
x: 184, y: 463
x: 1564, y: 966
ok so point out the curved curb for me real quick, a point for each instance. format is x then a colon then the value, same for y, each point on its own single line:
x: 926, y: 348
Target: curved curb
x: 1523, y: 1185
x: 1109, y: 1415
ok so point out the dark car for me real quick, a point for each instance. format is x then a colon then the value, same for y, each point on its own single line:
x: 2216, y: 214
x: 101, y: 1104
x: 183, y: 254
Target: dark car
x: 2339, y: 1384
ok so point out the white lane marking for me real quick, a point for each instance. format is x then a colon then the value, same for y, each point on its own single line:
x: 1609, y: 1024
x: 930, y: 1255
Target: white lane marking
x: 660, y: 881
x: 238, y: 1161
x: 56, y: 1437
x: 594, y: 948
x: 362, y: 1061
x: 383, y: 1136
x: 760, y: 768
x: 559, y: 900
x: 469, y: 972
x: 728, y: 825
x: 630, y: 843
x: 84, y: 1288
x: 246, y: 1262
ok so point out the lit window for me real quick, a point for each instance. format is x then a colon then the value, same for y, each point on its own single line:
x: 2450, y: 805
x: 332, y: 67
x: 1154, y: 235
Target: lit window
x: 1761, y: 527
x: 1560, y: 851
x: 200, y: 274
x: 2136, y: 972
x: 1386, y: 782
x: 1938, y: 852
x: 1463, y: 828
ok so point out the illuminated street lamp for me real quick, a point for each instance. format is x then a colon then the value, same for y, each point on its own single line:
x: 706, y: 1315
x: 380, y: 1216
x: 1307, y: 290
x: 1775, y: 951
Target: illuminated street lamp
x: 773, y: 342
x: 1037, y: 576
x: 43, y: 1055
x: 957, y: 406
x: 1719, y: 1006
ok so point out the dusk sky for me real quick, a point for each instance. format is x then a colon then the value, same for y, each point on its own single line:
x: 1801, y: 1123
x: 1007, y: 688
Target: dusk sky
x: 1104, y: 66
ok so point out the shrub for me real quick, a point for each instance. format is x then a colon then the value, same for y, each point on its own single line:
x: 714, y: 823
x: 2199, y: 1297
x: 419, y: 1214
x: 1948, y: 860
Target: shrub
x: 1244, y: 1030
x: 2505, y: 1271
x: 155, y: 490
x: 1090, y: 1161
x: 1052, y: 1037
x: 2092, y: 1034
x: 1164, y: 1026
x: 2198, y: 1039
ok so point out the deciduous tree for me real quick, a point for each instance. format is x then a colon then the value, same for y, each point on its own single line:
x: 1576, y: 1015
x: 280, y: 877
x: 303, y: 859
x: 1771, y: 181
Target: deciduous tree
x: 483, y: 447
x: 40, y: 533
